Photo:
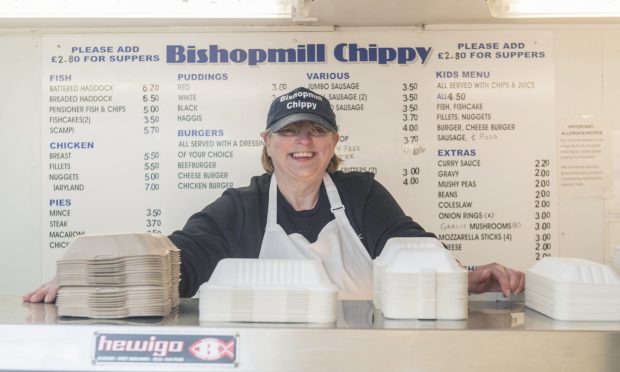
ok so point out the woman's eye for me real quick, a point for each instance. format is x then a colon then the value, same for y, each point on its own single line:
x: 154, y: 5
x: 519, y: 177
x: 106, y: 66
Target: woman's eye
x: 286, y: 132
x: 319, y: 131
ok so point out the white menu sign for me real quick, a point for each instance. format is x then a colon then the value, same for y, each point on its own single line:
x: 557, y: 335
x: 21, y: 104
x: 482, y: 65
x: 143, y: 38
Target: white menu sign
x: 142, y: 130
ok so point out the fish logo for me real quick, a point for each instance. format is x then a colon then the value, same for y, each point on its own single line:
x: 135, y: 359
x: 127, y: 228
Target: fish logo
x: 213, y: 349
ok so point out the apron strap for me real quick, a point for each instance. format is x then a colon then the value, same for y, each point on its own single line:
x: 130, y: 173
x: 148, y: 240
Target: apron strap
x: 272, y: 209
x: 334, y: 198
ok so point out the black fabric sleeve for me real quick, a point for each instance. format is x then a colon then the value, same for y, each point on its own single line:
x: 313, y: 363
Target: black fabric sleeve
x: 384, y: 219
x: 231, y: 226
x: 373, y: 212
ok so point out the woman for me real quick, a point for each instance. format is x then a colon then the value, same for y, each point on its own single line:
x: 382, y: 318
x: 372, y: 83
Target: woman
x: 304, y: 208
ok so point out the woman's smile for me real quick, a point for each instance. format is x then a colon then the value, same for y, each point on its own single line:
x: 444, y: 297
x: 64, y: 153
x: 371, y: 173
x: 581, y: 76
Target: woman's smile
x: 302, y: 155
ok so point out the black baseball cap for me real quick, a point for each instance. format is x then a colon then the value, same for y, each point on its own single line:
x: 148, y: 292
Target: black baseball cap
x: 299, y: 105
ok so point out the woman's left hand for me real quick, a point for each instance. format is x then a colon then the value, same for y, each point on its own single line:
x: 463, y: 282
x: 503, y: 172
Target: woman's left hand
x: 496, y: 278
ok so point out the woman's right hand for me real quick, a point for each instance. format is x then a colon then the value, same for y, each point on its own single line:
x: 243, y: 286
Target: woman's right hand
x: 45, y: 293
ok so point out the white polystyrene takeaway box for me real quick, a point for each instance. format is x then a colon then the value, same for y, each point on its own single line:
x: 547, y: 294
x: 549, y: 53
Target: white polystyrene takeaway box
x: 268, y: 290
x: 392, y: 246
x: 566, y: 288
x: 118, y: 275
x: 420, y: 280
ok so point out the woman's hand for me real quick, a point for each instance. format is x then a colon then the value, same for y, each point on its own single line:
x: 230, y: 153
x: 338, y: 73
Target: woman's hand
x: 496, y: 278
x: 45, y: 293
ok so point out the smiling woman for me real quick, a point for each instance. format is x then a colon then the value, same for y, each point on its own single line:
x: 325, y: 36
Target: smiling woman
x: 300, y: 154
x: 307, y: 125
x: 300, y: 142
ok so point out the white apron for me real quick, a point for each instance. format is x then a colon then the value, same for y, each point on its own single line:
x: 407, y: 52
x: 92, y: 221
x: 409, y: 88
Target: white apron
x: 345, y: 259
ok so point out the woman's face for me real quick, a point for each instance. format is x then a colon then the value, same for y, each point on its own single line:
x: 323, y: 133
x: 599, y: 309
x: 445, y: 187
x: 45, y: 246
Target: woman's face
x: 301, y: 151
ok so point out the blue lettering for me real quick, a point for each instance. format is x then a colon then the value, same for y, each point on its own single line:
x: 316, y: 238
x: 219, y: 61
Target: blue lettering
x: 175, y: 54
x: 456, y: 152
x: 60, y: 202
x: 309, y: 53
x: 382, y: 55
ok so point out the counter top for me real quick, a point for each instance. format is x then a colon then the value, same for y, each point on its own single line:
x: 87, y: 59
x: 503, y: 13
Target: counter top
x: 499, y: 335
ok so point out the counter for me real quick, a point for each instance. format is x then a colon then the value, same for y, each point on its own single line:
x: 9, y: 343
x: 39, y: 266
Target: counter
x: 502, y: 336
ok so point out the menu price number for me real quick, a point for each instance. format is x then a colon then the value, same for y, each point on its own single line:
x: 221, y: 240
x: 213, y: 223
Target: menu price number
x: 542, y: 209
x: 153, y: 220
x: 151, y: 114
x: 409, y: 140
x: 451, y: 55
x: 410, y: 127
x: 453, y: 96
x: 278, y: 88
x: 151, y: 171
x: 150, y: 121
x: 411, y: 176
x: 150, y: 108
x: 151, y: 129
x: 411, y: 86
x: 409, y: 112
x: 65, y: 59
x: 410, y: 97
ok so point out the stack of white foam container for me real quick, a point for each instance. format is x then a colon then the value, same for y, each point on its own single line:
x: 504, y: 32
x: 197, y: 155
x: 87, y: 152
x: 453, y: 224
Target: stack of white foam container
x: 118, y: 276
x: 417, y: 278
x: 268, y: 290
x: 567, y: 288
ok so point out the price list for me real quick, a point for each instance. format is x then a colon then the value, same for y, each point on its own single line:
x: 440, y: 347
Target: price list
x: 141, y: 131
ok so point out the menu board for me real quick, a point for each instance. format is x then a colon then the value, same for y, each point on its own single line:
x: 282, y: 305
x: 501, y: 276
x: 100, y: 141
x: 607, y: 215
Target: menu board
x: 142, y: 130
